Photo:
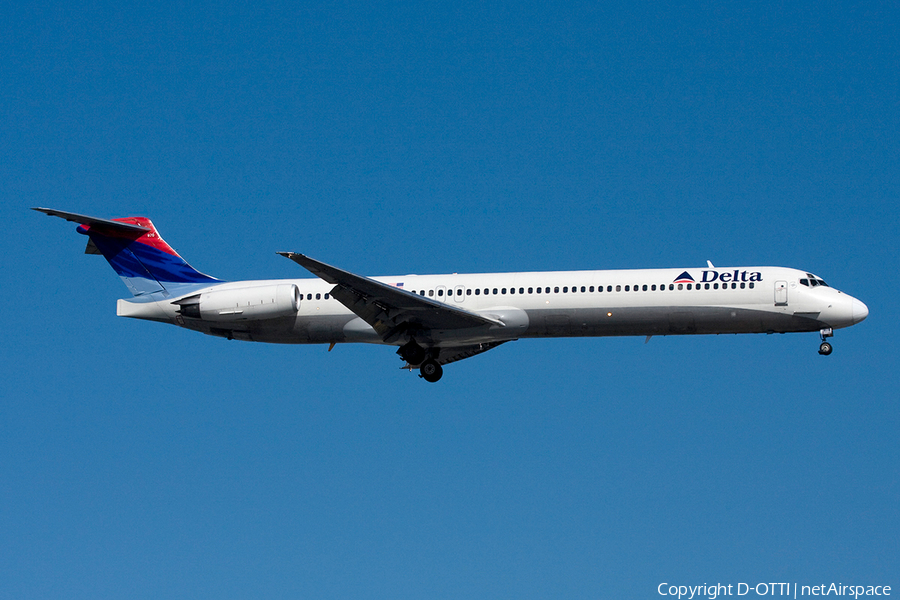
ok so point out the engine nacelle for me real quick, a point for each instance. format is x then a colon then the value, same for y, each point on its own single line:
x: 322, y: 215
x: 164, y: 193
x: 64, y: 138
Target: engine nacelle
x: 242, y: 304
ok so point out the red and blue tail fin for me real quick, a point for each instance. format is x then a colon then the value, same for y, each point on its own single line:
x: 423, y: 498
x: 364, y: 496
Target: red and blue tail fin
x: 134, y: 249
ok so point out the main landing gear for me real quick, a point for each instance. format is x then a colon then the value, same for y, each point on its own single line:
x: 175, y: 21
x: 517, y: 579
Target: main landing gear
x: 414, y: 354
x: 825, y: 348
x: 431, y: 371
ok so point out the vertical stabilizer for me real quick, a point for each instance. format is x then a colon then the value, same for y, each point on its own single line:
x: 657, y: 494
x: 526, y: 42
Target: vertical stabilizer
x: 137, y: 253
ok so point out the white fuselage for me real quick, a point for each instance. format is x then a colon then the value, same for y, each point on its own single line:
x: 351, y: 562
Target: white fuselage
x: 537, y: 304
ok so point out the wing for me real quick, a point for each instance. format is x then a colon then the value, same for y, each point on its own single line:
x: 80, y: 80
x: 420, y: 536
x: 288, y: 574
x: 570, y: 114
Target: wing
x: 389, y: 310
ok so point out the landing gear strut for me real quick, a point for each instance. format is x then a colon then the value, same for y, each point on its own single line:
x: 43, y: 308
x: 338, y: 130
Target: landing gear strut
x: 431, y: 371
x: 412, y: 353
x: 825, y: 348
x: 426, y: 359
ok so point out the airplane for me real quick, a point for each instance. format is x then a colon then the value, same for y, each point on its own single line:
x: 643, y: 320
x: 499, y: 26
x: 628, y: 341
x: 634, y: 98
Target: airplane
x: 434, y: 320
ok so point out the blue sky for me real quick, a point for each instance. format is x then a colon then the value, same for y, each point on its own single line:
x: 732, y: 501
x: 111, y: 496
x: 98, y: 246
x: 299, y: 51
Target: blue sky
x: 144, y: 461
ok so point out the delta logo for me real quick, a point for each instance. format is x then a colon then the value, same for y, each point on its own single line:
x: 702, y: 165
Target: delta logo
x: 724, y: 276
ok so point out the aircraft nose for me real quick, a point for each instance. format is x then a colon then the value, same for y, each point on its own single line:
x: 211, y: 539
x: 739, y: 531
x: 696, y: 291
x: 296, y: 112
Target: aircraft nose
x: 860, y: 311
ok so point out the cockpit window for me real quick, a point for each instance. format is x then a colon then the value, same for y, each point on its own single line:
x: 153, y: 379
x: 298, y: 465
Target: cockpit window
x: 813, y: 281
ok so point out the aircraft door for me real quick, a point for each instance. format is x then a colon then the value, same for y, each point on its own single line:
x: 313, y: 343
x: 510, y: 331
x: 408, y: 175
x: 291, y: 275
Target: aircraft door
x: 781, y: 293
x: 460, y: 293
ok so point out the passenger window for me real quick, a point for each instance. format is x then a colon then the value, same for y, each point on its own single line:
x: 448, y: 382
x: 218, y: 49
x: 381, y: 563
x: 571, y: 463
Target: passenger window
x: 477, y: 291
x: 326, y: 296
x: 591, y: 289
x: 512, y: 290
x: 539, y: 290
x: 431, y: 292
x: 486, y: 291
x: 468, y: 292
x: 556, y: 290
x: 318, y: 296
x: 530, y: 290
x: 680, y: 286
x: 743, y: 285
x: 546, y: 290
x: 751, y: 285
x: 503, y: 291
x: 309, y: 296
x: 734, y: 286
x: 565, y: 290
x: 619, y: 288
x: 627, y: 288
x: 644, y: 287
x: 653, y: 288
x: 440, y: 292
x: 495, y: 291
x: 671, y: 286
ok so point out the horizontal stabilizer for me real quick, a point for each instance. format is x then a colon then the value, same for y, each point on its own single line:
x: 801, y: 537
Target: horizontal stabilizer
x: 93, y: 221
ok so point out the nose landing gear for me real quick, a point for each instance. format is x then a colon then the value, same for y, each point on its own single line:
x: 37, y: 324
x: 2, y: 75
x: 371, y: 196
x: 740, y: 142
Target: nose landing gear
x: 825, y: 348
